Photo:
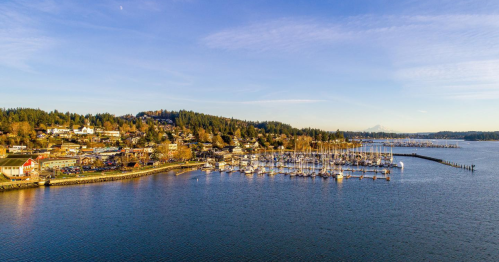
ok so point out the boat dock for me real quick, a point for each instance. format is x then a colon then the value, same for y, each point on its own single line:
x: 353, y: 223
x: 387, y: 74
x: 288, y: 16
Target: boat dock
x: 448, y: 163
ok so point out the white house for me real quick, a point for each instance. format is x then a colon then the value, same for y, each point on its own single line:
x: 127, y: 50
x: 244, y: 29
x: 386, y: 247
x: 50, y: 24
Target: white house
x: 57, y: 130
x: 83, y: 130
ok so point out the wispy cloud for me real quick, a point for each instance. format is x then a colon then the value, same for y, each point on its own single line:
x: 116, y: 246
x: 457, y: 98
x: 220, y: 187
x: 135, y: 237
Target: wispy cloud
x: 431, y: 52
x: 281, y: 101
x: 20, y: 39
x: 422, y: 111
x: 284, y: 34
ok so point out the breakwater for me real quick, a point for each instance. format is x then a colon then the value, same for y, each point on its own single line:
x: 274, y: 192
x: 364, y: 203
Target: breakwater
x: 448, y: 163
x: 92, y: 179
x: 17, y: 185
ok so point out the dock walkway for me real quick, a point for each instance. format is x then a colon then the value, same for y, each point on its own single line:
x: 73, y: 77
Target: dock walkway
x: 448, y: 163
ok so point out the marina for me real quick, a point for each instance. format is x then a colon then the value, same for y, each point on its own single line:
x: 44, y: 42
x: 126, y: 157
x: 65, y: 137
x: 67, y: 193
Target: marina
x: 337, y: 164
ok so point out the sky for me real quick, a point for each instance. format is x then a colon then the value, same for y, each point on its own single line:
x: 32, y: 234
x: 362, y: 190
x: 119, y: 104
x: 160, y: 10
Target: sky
x: 411, y: 66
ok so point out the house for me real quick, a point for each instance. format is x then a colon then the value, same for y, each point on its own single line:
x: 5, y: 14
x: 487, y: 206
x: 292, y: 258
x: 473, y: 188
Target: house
x: 15, y: 149
x: 112, y: 139
x: 223, y: 155
x: 133, y: 140
x: 43, y: 152
x: 105, y: 149
x: 57, y: 130
x: 57, y: 163
x: 87, y: 151
x: 206, y: 146
x: 172, y: 147
x: 85, y: 161
x: 83, y: 140
x: 233, y: 149
x: 109, y: 133
x: 95, y: 139
x: 70, y: 147
x: 64, y: 135
x: 152, y: 163
x: 251, y: 145
x: 83, y: 130
x: 16, y: 168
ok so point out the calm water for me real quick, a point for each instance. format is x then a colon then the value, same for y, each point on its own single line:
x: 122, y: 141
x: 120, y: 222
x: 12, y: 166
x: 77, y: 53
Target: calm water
x: 427, y: 212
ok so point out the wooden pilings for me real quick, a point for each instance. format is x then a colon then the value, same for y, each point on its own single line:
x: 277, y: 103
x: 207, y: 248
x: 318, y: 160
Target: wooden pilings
x: 448, y: 163
x: 17, y: 185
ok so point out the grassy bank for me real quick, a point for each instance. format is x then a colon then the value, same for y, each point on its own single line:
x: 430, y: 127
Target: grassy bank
x: 4, y: 178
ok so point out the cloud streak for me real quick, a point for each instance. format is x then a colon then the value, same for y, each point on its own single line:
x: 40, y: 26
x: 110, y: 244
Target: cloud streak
x: 20, y: 40
x: 281, y: 101
x: 283, y: 34
x: 436, y: 52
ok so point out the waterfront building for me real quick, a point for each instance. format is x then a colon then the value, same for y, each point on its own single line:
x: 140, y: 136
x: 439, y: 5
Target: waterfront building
x: 16, y: 168
x: 57, y: 163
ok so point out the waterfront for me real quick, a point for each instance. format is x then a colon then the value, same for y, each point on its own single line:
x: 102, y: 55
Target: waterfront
x: 427, y: 211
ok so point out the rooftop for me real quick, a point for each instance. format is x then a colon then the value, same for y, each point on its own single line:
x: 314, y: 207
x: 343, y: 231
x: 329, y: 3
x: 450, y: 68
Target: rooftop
x: 12, y: 161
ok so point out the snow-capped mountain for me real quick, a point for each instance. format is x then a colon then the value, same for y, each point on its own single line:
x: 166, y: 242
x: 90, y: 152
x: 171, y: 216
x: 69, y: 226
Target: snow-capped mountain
x: 380, y: 128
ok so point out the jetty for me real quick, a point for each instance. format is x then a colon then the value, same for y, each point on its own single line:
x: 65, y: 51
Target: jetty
x: 93, y: 179
x: 441, y: 161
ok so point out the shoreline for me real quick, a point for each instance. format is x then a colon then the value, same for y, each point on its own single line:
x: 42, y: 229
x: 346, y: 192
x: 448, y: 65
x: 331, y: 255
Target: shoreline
x: 16, y: 185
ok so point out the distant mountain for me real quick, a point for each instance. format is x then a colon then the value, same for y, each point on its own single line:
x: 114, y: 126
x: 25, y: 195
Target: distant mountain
x: 380, y: 128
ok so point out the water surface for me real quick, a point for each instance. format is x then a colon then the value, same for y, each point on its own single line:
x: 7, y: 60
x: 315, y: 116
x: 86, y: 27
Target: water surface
x: 428, y: 211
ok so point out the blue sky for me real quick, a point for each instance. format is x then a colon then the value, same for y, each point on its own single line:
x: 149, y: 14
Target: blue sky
x: 412, y: 66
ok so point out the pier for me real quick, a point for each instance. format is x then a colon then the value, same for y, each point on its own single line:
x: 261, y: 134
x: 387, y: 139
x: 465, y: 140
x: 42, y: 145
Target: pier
x: 448, y: 163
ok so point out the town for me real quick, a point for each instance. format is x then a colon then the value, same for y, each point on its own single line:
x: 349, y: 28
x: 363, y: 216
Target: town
x: 36, y: 145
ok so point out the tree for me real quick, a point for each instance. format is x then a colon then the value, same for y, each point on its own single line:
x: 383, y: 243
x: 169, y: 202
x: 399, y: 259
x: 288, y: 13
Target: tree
x: 108, y: 126
x: 21, y: 128
x: 162, y: 151
x: 218, y: 141
x: 202, y: 135
x: 238, y: 133
x: 183, y: 153
x: 98, y: 163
